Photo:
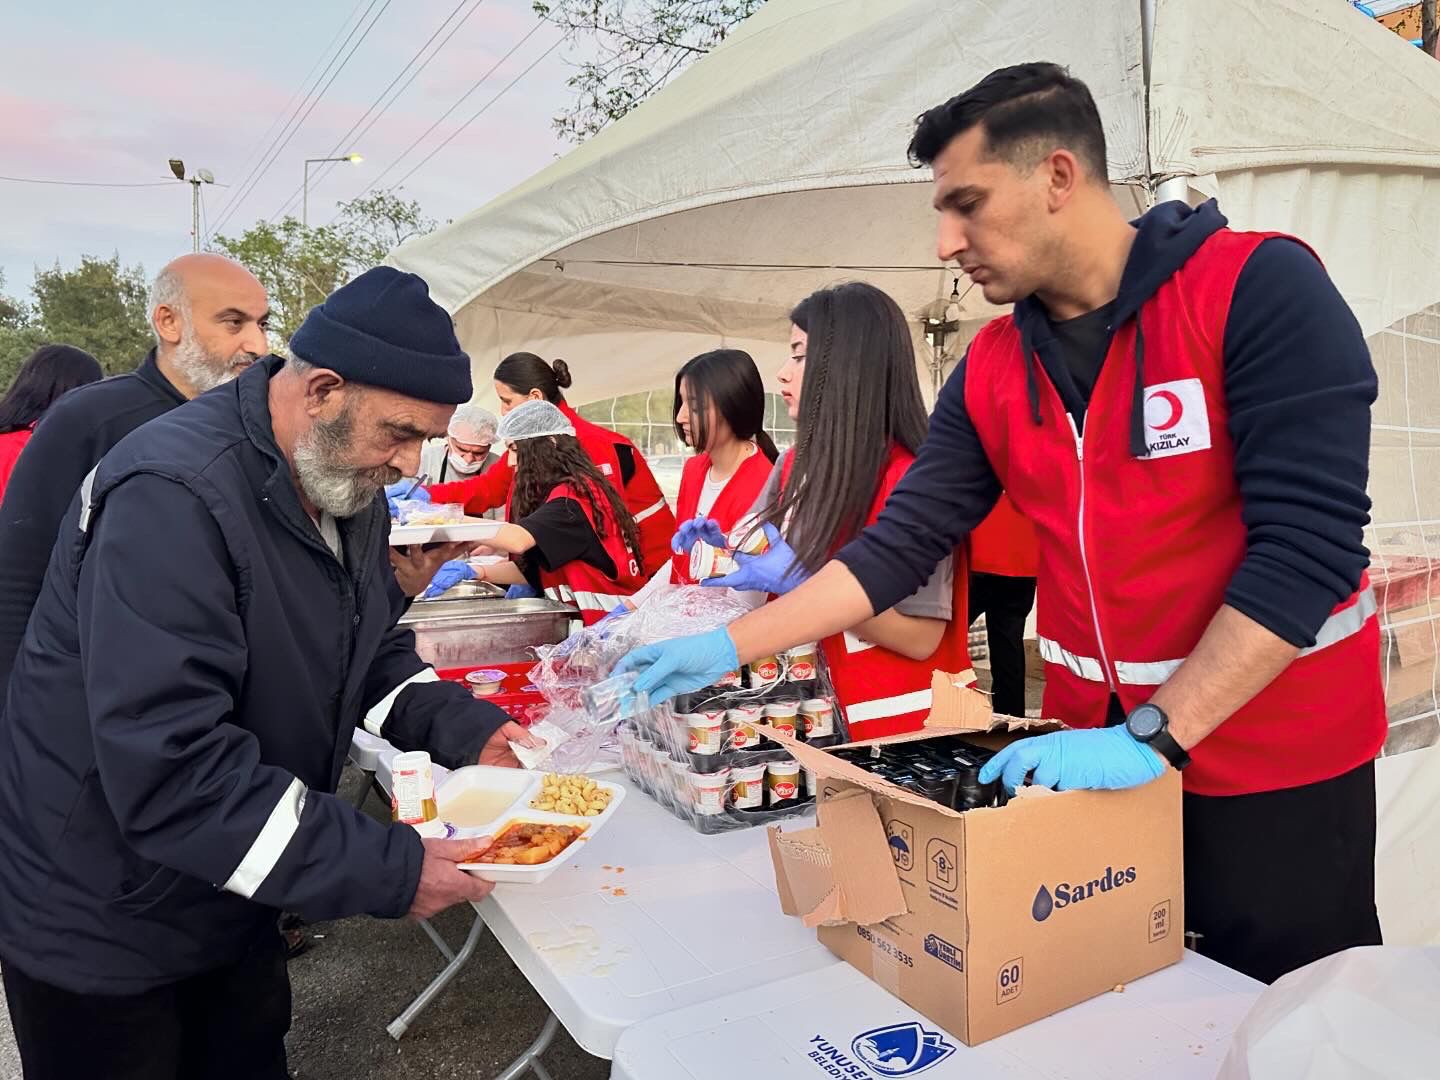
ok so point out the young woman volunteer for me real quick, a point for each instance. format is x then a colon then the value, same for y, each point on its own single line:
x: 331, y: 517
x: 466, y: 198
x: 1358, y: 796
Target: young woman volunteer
x: 524, y: 376
x: 49, y: 372
x: 851, y: 387
x: 569, y: 535
x: 719, y: 411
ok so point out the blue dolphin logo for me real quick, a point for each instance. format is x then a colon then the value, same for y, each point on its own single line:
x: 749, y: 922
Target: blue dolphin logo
x: 901, y: 1049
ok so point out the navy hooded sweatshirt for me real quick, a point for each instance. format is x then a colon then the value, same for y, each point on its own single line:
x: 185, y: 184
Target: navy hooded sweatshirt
x: 1299, y: 383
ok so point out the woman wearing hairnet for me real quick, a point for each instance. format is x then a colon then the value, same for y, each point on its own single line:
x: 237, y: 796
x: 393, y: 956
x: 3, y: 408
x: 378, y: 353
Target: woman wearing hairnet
x: 570, y: 536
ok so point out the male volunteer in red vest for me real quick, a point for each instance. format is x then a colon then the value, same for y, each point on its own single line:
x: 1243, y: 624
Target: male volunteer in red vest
x: 1183, y: 412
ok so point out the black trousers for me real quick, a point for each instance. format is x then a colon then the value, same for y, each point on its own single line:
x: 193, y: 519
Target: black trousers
x: 1276, y: 880
x: 227, y: 1024
x: 1005, y: 602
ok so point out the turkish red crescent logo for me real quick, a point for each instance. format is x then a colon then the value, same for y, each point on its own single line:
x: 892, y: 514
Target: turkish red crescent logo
x: 1177, y: 410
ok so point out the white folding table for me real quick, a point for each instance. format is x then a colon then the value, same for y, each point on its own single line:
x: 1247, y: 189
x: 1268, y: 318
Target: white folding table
x: 1175, y: 1024
x: 649, y: 917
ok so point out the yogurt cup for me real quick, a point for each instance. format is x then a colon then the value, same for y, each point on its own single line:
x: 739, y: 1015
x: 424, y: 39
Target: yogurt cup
x: 707, y: 791
x: 729, y: 679
x: 710, y: 562
x: 705, y: 735
x: 680, y: 781
x: 783, y: 716
x: 746, y: 537
x: 764, y: 670
x: 782, y: 782
x: 745, y: 723
x: 802, y: 662
x: 747, y: 786
x: 818, y: 717
x: 810, y: 783
x: 484, y: 682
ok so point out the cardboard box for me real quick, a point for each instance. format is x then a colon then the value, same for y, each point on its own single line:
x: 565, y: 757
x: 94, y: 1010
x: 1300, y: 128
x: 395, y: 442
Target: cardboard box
x: 988, y: 920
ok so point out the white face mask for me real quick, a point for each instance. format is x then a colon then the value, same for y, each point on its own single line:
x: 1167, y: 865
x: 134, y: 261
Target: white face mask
x: 463, y: 467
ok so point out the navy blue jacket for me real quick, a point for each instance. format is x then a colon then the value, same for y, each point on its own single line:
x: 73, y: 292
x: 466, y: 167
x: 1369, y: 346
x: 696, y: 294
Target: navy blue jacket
x: 181, y: 707
x: 1299, y: 384
x: 72, y: 436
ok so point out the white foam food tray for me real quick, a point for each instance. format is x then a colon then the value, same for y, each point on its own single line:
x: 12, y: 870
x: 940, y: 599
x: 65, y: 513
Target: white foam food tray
x: 523, y: 815
x: 470, y: 528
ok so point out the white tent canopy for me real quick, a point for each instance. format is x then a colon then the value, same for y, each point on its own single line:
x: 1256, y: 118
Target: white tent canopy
x: 776, y: 165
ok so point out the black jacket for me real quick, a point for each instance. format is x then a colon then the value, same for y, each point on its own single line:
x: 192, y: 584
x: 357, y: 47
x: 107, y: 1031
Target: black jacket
x: 1299, y: 384
x: 74, y: 434
x: 181, y: 707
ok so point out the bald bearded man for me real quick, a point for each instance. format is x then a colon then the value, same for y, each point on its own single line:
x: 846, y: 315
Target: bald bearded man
x: 209, y: 315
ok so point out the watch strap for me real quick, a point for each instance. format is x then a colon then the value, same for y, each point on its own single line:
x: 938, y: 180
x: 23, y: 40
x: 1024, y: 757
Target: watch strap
x: 1165, y: 745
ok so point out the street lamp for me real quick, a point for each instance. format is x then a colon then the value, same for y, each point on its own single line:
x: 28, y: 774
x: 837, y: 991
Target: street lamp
x: 201, y: 176
x: 354, y: 159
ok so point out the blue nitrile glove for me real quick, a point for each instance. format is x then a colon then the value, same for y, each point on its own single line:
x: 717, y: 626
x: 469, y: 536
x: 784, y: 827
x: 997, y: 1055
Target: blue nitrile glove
x: 1066, y: 760
x: 774, y: 571
x: 447, y: 577
x: 680, y: 665
x: 697, y: 528
x: 401, y: 490
x: 520, y: 592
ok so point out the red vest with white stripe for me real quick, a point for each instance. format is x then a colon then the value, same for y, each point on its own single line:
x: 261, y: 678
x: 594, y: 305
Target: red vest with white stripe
x: 588, y: 587
x: 1136, y: 553
x: 642, y: 495
x: 735, y: 500
x: 882, y: 692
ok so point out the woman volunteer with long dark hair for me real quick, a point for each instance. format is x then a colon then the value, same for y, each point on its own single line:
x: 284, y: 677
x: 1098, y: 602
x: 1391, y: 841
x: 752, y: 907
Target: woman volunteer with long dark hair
x: 48, y: 372
x: 851, y: 387
x: 570, y: 536
x: 719, y: 412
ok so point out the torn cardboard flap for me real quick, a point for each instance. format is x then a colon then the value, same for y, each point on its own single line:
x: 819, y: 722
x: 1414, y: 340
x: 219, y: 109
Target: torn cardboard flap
x: 957, y: 706
x: 840, y: 871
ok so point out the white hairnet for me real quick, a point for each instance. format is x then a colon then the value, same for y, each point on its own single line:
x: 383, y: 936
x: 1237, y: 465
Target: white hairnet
x: 531, y: 420
x: 473, y: 426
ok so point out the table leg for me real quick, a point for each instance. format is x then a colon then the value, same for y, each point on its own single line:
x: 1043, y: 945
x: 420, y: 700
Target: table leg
x: 530, y: 1059
x: 434, y: 935
x: 402, y: 1023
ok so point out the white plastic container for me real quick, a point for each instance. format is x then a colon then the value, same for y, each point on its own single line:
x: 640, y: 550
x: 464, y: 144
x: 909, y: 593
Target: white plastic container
x: 533, y: 875
x: 476, y: 529
x: 515, y: 787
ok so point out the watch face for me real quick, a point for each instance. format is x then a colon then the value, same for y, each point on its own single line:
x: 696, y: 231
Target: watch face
x: 1145, y: 722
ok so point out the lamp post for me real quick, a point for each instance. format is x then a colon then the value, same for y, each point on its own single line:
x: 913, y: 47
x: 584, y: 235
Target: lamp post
x: 354, y: 159
x: 201, y: 176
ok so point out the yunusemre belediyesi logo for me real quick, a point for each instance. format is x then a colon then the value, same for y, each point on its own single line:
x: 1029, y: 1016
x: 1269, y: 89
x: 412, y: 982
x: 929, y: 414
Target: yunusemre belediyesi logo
x: 1065, y: 893
x: 901, y: 1049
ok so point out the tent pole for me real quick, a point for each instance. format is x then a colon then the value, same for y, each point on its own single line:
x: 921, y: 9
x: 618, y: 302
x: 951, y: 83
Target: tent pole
x: 1167, y: 188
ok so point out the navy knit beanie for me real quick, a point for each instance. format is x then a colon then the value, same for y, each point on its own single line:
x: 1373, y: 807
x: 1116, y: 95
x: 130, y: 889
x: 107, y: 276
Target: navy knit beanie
x: 382, y: 329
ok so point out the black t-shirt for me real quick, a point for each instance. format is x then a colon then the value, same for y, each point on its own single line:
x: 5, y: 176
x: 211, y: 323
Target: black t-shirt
x: 562, y: 534
x: 1081, y: 344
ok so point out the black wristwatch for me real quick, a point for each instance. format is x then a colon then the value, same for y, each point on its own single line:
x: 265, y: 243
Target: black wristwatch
x: 1149, y: 724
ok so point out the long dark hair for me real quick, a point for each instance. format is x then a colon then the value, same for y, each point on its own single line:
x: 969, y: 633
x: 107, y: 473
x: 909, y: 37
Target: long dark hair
x: 860, y: 395
x: 728, y: 379
x: 524, y: 371
x: 48, y: 372
x: 543, y: 464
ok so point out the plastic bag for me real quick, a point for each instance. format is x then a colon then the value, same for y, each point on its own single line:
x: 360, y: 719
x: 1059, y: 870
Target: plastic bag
x: 419, y: 512
x: 1364, y: 1014
x: 578, y: 739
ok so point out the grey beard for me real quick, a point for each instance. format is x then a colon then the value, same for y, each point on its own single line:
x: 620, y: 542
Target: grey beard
x: 202, y: 370
x: 336, y: 488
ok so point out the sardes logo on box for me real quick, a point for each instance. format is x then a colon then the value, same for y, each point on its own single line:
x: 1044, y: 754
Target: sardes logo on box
x: 1064, y: 894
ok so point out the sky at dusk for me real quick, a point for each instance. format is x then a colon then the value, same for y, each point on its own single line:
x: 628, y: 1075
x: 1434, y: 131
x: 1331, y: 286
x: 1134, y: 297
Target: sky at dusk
x: 109, y: 92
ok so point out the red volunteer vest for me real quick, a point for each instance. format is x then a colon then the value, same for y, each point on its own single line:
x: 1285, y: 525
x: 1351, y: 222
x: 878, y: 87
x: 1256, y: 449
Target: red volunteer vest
x: 882, y: 692
x: 1004, y: 543
x: 734, y: 502
x: 642, y: 495
x: 1136, y: 553
x: 588, y: 587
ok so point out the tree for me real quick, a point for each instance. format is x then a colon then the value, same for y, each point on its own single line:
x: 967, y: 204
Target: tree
x: 300, y: 265
x: 98, y: 307
x: 1428, y: 28
x: 19, y: 336
x: 639, y: 45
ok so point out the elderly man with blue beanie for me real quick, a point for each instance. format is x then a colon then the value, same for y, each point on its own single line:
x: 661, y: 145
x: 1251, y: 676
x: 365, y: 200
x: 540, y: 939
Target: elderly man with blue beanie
x: 218, y: 615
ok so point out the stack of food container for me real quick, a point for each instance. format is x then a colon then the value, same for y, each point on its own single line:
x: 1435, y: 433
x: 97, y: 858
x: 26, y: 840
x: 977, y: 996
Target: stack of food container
x: 707, y: 756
